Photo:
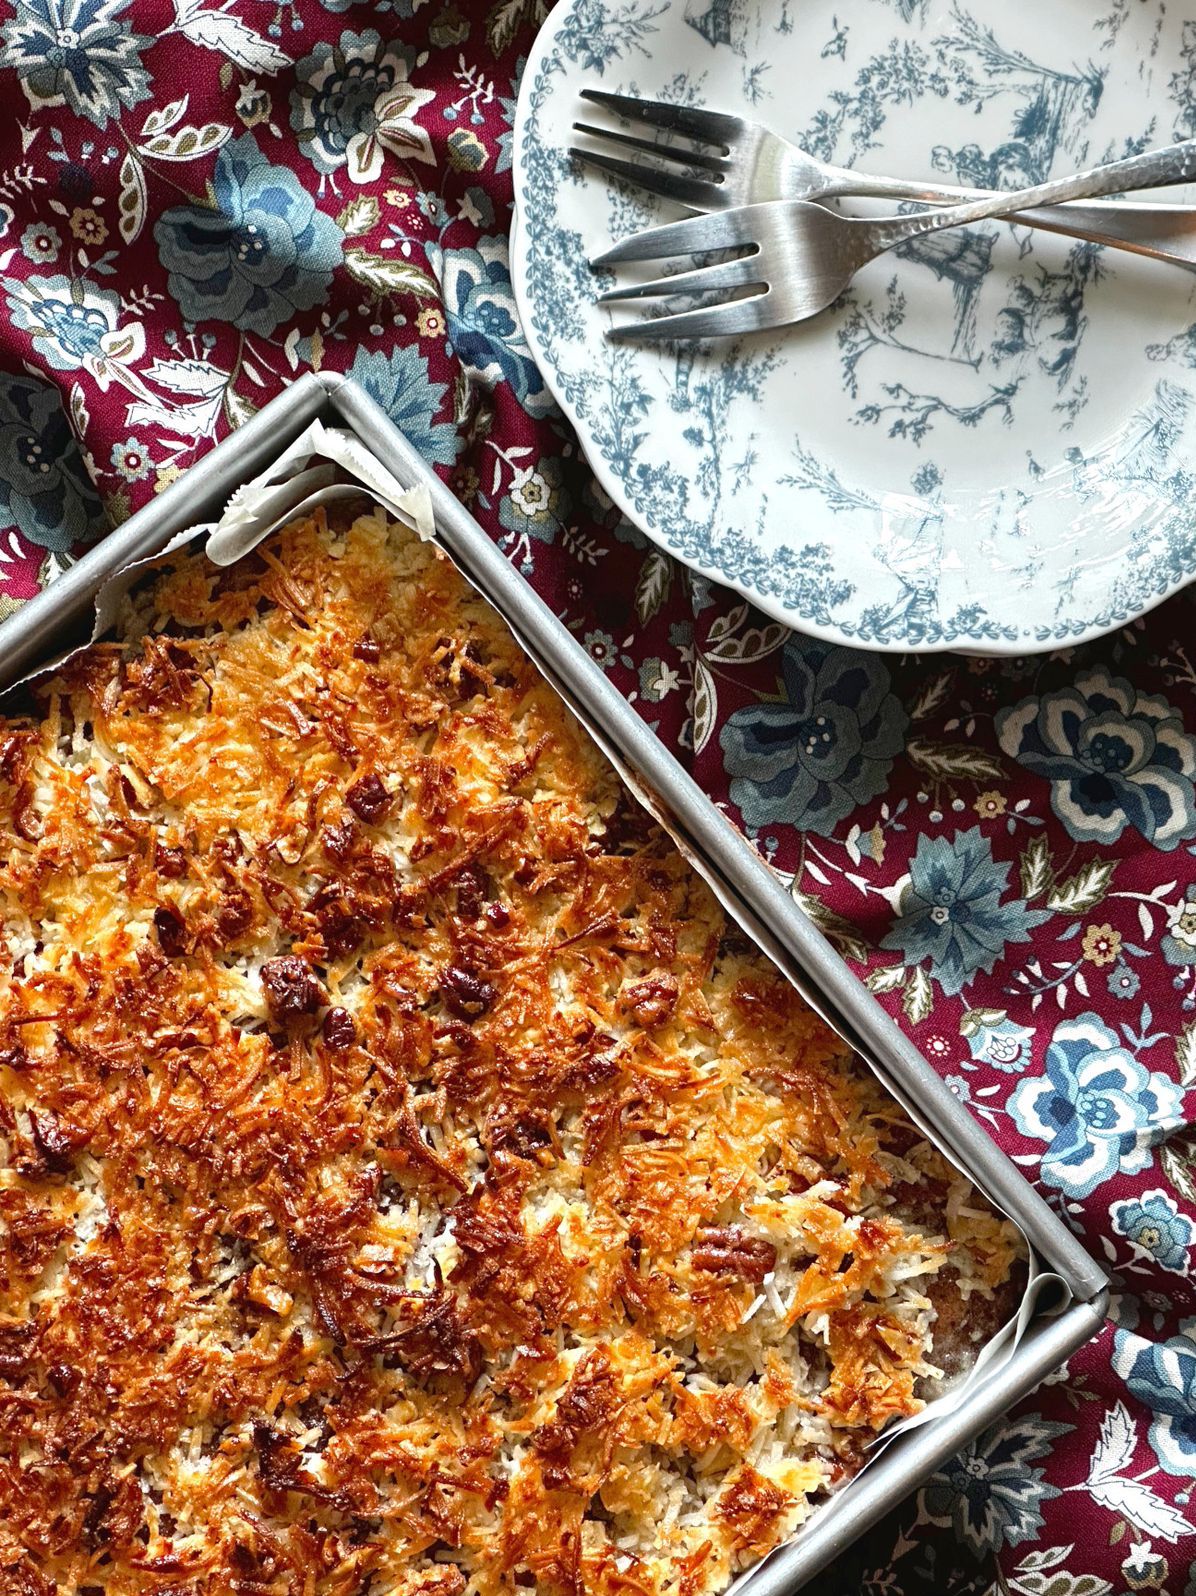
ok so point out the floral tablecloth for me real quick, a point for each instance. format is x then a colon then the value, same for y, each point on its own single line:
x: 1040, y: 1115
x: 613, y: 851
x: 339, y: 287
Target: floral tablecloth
x: 202, y: 199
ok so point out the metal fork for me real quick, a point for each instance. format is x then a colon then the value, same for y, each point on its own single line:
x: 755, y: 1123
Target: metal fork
x: 803, y: 256
x: 743, y: 163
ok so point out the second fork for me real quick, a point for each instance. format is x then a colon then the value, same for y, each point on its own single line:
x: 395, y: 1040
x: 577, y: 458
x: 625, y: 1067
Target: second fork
x: 804, y: 255
x: 730, y: 161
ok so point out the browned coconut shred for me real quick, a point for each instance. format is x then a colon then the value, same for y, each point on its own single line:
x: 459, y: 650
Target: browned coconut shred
x: 411, y: 1181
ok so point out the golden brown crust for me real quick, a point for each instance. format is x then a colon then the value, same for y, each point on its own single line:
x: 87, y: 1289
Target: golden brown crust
x: 407, y: 1177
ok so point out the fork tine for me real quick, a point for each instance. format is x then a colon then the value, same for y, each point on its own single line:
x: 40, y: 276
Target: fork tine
x: 703, y: 279
x: 693, y: 191
x: 679, y: 153
x: 717, y: 230
x: 711, y: 127
x: 719, y: 321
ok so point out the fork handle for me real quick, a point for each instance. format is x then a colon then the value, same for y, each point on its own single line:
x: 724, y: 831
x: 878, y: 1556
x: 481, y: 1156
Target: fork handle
x: 1156, y: 169
x: 847, y: 183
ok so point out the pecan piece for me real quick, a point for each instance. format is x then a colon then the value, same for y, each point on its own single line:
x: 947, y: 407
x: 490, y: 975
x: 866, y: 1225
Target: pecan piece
x: 651, y: 1001
x: 172, y: 931
x: 339, y: 1030
x: 235, y: 914
x: 56, y: 1141
x: 465, y: 992
x: 728, y: 1250
x: 337, y: 839
x: 473, y: 888
x: 14, y: 1056
x: 169, y: 862
x: 368, y: 799
x: 65, y: 1378
x: 291, y: 988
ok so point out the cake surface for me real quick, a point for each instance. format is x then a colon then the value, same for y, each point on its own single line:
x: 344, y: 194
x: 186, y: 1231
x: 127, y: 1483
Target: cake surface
x: 410, y: 1181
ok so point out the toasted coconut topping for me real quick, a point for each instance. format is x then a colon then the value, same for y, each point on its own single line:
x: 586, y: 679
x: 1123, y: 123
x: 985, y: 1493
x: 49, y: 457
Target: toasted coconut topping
x: 411, y: 1182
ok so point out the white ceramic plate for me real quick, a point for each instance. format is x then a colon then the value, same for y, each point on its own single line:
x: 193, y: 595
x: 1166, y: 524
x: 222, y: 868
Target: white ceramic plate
x: 989, y: 444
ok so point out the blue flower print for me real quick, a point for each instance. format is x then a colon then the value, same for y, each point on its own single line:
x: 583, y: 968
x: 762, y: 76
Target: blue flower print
x: 352, y: 101
x: 400, y: 384
x: 950, y: 911
x: 1097, y: 1108
x: 1162, y: 1375
x: 1155, y: 1227
x: 1114, y: 758
x: 1122, y: 982
x: 989, y: 1494
x: 601, y: 648
x: 483, y: 323
x: 430, y: 204
x: 131, y: 459
x: 41, y: 244
x: 70, y: 322
x: 994, y: 1039
x: 44, y: 488
x: 255, y: 257
x: 814, y: 759
x: 81, y: 54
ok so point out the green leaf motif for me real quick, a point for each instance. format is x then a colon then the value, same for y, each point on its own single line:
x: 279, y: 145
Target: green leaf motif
x: 504, y: 19
x: 722, y: 626
x: 954, y: 762
x: 756, y: 643
x: 652, y: 588
x: 384, y: 275
x: 1185, y: 1055
x: 888, y: 979
x: 705, y: 706
x: 187, y: 143
x: 1179, y: 1166
x: 131, y: 200
x: 1033, y: 1576
x: 932, y: 696
x: 918, y: 1001
x: 237, y: 408
x: 838, y: 931
x: 1045, y: 1557
x: 1036, y: 872
x: 360, y: 215
x: 1083, y: 891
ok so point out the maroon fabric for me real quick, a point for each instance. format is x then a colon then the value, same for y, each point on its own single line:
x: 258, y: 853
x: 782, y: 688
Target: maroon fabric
x: 1003, y: 850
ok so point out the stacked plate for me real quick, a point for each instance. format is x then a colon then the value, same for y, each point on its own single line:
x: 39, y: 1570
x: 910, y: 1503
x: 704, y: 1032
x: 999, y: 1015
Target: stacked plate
x: 987, y: 444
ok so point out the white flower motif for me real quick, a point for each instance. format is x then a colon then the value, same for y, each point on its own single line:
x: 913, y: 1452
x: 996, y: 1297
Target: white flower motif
x: 352, y: 102
x: 530, y: 492
x: 73, y: 324
x: 467, y: 209
x: 1181, y: 922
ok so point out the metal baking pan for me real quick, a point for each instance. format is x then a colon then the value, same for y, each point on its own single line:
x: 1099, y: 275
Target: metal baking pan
x: 41, y: 628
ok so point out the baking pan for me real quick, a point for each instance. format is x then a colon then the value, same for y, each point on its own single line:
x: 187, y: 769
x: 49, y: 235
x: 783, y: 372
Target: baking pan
x: 1064, y: 1319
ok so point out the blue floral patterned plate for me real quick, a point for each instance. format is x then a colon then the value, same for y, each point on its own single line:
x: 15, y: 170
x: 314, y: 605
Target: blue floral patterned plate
x: 989, y: 443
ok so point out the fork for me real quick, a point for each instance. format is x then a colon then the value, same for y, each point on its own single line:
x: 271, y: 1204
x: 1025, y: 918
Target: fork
x: 802, y: 256
x: 745, y: 163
